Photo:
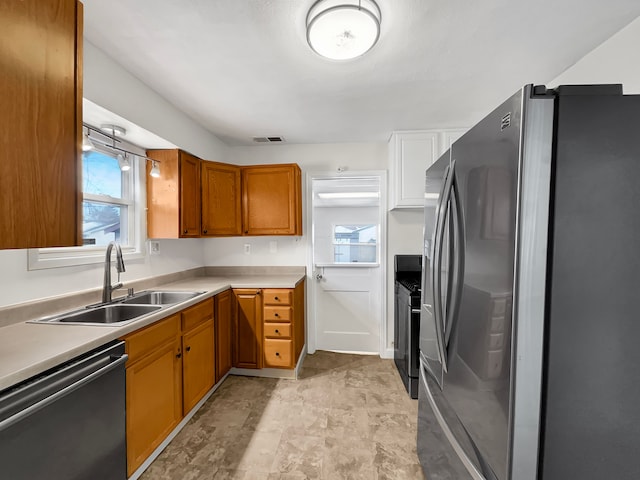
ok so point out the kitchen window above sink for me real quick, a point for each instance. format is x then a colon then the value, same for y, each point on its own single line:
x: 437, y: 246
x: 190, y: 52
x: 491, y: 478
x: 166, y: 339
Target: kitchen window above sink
x: 111, y: 210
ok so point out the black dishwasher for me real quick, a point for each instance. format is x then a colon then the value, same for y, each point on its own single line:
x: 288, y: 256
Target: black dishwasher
x: 69, y: 422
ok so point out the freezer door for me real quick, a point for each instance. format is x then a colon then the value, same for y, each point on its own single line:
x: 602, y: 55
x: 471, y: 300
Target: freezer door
x: 477, y: 384
x: 442, y: 457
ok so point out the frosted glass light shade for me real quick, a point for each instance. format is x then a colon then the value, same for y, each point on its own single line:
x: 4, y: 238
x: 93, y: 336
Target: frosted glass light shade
x: 343, y: 29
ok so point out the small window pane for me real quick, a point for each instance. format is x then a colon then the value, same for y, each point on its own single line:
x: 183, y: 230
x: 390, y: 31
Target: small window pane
x: 103, y: 223
x: 101, y: 174
x: 355, y: 243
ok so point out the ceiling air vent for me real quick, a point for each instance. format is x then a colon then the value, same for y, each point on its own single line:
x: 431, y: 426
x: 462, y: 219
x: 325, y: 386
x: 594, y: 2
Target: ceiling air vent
x: 268, y: 139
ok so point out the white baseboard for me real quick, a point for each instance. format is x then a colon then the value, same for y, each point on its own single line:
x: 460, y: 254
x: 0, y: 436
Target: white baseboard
x: 388, y: 353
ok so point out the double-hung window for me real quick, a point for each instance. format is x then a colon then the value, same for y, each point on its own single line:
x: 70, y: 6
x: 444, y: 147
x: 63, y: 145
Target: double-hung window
x: 111, y: 210
x: 108, y: 208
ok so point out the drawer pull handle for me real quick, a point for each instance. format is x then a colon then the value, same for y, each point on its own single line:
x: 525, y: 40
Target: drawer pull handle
x: 276, y: 314
x: 276, y: 298
x: 277, y: 354
x: 188, y: 349
x: 277, y: 331
x: 186, y: 231
x: 205, y: 231
x: 178, y: 355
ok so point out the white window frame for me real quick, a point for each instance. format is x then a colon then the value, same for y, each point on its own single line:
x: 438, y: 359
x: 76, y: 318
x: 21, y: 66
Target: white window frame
x: 377, y: 244
x: 43, y: 258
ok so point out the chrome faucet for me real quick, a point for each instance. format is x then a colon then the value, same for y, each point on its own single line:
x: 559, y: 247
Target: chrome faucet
x: 107, y: 288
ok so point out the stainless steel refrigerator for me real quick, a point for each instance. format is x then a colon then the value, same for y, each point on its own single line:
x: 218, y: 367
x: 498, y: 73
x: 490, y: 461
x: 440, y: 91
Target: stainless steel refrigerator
x: 530, y: 328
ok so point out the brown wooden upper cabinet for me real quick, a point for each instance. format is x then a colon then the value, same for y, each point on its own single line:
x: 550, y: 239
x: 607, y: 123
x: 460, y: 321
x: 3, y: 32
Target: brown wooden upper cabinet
x: 173, y: 199
x: 221, y: 200
x: 198, y: 198
x: 40, y: 123
x: 272, y: 200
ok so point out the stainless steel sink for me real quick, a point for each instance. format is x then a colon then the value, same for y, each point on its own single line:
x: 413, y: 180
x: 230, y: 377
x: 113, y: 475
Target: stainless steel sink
x: 160, y: 298
x: 106, y: 314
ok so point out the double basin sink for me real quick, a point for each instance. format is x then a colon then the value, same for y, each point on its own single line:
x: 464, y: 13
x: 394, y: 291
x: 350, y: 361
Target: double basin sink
x: 123, y: 310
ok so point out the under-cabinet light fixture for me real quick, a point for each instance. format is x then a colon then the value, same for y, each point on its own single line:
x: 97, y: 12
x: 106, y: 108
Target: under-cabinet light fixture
x: 343, y: 29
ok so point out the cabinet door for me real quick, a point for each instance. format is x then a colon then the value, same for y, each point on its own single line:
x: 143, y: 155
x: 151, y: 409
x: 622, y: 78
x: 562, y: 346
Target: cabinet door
x: 271, y: 200
x: 248, y: 329
x: 450, y: 136
x: 189, y: 195
x: 221, y: 199
x: 223, y: 312
x: 197, y: 364
x: 154, y: 401
x: 411, y: 154
x: 40, y: 123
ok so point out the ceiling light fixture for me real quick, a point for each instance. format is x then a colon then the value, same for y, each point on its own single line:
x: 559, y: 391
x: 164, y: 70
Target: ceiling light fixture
x: 123, y: 162
x: 343, y: 29
x: 87, y: 144
x: 123, y: 156
x: 155, y: 170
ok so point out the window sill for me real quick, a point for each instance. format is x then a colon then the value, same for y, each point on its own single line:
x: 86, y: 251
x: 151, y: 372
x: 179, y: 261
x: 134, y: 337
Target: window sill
x: 40, y: 258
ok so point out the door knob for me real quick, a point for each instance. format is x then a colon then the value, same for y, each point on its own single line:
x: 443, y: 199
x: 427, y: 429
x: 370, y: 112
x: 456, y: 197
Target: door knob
x: 318, y: 276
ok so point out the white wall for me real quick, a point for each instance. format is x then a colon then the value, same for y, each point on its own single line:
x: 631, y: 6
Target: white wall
x: 110, y: 86
x: 615, y: 61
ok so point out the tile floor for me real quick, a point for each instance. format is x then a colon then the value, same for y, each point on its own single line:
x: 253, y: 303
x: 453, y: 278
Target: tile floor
x: 347, y: 417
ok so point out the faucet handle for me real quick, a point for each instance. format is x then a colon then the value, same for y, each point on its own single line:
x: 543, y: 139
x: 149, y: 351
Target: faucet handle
x: 129, y: 292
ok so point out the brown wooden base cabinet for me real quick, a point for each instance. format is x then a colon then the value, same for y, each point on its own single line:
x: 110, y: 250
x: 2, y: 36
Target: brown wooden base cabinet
x: 248, y: 328
x: 283, y: 326
x: 154, y: 388
x: 170, y: 368
x: 223, y: 318
x: 198, y: 353
x: 269, y: 327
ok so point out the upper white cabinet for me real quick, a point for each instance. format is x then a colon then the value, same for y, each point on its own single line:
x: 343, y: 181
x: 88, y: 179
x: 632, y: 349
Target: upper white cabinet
x: 410, y: 154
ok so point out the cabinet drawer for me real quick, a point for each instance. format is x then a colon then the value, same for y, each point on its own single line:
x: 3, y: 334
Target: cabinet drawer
x: 278, y: 353
x: 277, y: 314
x: 277, y: 296
x: 201, y: 312
x: 277, y: 330
x: 143, y: 342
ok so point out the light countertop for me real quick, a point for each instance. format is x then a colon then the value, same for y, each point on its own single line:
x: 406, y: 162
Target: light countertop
x: 28, y: 349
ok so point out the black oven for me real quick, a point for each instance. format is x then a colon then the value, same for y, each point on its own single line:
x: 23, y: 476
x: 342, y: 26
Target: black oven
x: 407, y: 273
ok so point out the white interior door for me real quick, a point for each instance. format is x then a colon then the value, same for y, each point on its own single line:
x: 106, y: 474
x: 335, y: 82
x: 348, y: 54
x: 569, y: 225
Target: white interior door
x: 347, y: 284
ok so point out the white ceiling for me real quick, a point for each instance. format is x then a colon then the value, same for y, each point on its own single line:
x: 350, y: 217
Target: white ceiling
x: 242, y: 68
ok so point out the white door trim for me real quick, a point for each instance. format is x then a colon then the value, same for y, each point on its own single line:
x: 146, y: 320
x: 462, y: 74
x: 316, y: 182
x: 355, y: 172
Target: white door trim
x: 311, y: 300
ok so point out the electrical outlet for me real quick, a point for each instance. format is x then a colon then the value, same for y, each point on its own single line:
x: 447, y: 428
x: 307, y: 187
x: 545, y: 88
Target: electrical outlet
x: 247, y: 249
x: 154, y: 248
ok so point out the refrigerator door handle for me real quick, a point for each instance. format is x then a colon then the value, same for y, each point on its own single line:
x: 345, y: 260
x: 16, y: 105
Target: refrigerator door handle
x: 438, y: 314
x: 458, y: 273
